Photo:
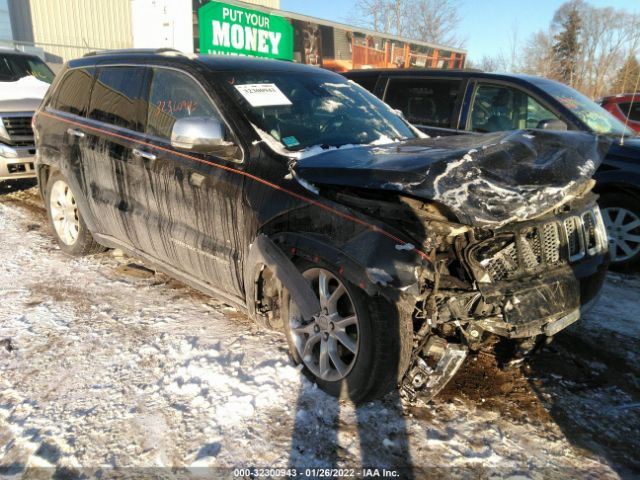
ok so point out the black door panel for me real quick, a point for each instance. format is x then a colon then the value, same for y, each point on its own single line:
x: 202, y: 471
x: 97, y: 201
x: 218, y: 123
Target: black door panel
x: 197, y: 205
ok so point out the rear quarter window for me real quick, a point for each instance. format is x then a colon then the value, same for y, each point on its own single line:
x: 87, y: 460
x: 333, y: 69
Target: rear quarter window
x: 72, y: 96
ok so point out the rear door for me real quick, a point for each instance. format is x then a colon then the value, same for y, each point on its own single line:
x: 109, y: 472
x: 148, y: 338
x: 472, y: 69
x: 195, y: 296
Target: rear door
x: 62, y: 129
x: 200, y: 209
x: 430, y: 104
x: 114, y: 175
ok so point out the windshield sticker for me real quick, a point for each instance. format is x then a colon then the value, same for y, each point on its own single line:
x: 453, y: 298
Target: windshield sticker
x: 290, y: 141
x: 263, y: 95
x: 568, y: 102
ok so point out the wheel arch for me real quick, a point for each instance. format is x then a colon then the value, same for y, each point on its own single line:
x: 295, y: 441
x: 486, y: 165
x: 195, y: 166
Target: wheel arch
x: 367, y: 274
x: 45, y: 169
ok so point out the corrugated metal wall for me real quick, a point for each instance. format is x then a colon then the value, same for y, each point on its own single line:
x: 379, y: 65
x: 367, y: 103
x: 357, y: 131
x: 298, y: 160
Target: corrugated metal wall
x: 69, y: 28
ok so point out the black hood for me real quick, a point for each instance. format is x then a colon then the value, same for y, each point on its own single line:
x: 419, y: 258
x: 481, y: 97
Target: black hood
x: 628, y: 151
x: 487, y: 179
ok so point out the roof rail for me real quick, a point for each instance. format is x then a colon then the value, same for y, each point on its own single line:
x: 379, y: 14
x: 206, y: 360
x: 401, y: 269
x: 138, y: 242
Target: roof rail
x: 129, y: 51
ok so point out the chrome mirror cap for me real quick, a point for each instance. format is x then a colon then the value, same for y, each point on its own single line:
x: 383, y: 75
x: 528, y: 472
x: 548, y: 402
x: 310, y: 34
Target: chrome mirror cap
x: 197, y: 133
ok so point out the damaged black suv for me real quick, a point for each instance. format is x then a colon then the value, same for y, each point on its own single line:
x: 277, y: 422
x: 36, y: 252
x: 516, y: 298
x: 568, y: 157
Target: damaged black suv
x: 385, y: 257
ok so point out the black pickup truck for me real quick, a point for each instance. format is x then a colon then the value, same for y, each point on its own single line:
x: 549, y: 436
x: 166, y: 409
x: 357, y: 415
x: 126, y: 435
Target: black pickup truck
x: 448, y: 102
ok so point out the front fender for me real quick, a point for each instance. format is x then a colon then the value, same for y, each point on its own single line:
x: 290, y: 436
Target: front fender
x: 369, y: 260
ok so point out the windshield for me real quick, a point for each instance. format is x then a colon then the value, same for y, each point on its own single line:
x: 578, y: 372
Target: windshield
x: 589, y: 112
x: 15, y: 67
x: 304, y: 110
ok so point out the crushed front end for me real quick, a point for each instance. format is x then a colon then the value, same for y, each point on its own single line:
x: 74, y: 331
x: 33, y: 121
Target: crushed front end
x: 505, y: 289
x: 514, y: 242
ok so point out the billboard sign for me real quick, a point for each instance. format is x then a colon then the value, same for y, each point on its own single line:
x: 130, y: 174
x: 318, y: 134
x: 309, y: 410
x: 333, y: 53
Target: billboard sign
x: 230, y: 30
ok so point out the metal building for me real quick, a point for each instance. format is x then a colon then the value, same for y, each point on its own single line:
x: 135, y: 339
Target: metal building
x: 64, y: 29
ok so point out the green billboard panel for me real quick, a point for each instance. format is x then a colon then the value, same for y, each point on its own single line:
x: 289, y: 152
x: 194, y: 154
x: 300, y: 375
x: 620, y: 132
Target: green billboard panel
x: 229, y: 30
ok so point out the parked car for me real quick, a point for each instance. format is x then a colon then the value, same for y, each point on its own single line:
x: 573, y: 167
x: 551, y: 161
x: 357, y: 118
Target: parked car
x: 625, y: 107
x: 384, y: 257
x: 24, y: 80
x: 450, y: 102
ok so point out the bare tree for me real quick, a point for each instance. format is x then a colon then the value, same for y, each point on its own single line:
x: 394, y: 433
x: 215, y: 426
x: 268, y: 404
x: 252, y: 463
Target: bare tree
x: 627, y: 76
x: 537, y: 55
x: 607, y: 37
x: 434, y: 21
x: 370, y: 14
x: 489, y: 63
x: 427, y: 20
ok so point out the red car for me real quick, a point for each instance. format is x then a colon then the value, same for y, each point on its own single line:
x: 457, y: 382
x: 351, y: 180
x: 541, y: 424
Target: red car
x: 626, y: 107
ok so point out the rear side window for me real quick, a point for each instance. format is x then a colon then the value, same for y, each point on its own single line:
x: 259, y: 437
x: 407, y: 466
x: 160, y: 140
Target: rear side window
x: 173, y: 96
x: 120, y: 97
x: 72, y: 96
x: 634, y: 114
x: 424, y: 101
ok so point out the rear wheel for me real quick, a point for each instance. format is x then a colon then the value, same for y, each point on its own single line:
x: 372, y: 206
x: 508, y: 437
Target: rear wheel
x: 69, y: 228
x: 621, y: 215
x: 357, y: 347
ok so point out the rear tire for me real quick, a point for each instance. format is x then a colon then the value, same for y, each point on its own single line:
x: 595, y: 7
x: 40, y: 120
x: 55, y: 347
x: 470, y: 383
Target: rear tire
x: 621, y: 215
x: 69, y: 228
x: 366, y: 342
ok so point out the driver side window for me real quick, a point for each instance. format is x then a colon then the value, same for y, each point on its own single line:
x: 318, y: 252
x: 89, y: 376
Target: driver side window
x: 174, y: 96
x: 498, y: 108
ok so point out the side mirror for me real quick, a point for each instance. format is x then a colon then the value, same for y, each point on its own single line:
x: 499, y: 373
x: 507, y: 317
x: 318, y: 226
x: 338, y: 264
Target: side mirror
x: 552, y: 124
x: 198, y: 134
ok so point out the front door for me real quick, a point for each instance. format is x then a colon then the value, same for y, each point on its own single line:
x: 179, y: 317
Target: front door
x: 497, y: 107
x: 199, y: 216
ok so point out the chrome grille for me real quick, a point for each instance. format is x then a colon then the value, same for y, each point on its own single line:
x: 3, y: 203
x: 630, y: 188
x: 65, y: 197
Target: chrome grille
x: 551, y: 243
x: 503, y: 263
x: 18, y: 129
x: 590, y: 229
x: 547, y: 244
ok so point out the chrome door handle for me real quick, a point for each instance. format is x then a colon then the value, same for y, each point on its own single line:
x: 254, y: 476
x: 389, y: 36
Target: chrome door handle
x: 75, y: 133
x: 143, y: 154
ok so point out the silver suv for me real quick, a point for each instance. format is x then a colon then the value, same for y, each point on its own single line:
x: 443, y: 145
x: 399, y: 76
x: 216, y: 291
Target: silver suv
x: 24, y: 80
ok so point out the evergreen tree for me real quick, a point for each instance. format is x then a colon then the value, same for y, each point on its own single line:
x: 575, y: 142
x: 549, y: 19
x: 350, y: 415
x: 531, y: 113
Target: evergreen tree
x: 566, y: 46
x: 627, y: 76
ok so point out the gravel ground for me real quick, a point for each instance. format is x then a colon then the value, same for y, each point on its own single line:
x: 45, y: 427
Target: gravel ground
x: 108, y: 367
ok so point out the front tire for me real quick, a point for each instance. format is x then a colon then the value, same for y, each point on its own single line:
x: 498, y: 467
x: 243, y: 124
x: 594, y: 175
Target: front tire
x: 621, y: 215
x: 358, y: 347
x: 68, y: 226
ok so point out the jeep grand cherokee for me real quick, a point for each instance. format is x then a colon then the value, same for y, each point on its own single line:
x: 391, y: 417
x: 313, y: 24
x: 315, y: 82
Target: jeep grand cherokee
x: 385, y: 257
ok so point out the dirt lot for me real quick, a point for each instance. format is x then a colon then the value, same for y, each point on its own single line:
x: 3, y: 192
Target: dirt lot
x: 107, y: 365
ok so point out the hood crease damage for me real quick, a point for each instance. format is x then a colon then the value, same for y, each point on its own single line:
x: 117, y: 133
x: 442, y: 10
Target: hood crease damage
x: 487, y: 180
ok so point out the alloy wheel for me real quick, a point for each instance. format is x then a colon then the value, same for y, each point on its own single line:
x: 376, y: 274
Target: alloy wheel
x: 64, y: 212
x: 327, y: 343
x: 623, y: 229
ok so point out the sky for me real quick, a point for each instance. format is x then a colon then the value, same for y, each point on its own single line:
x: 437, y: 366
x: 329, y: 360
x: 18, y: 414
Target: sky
x: 5, y: 24
x: 487, y: 26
